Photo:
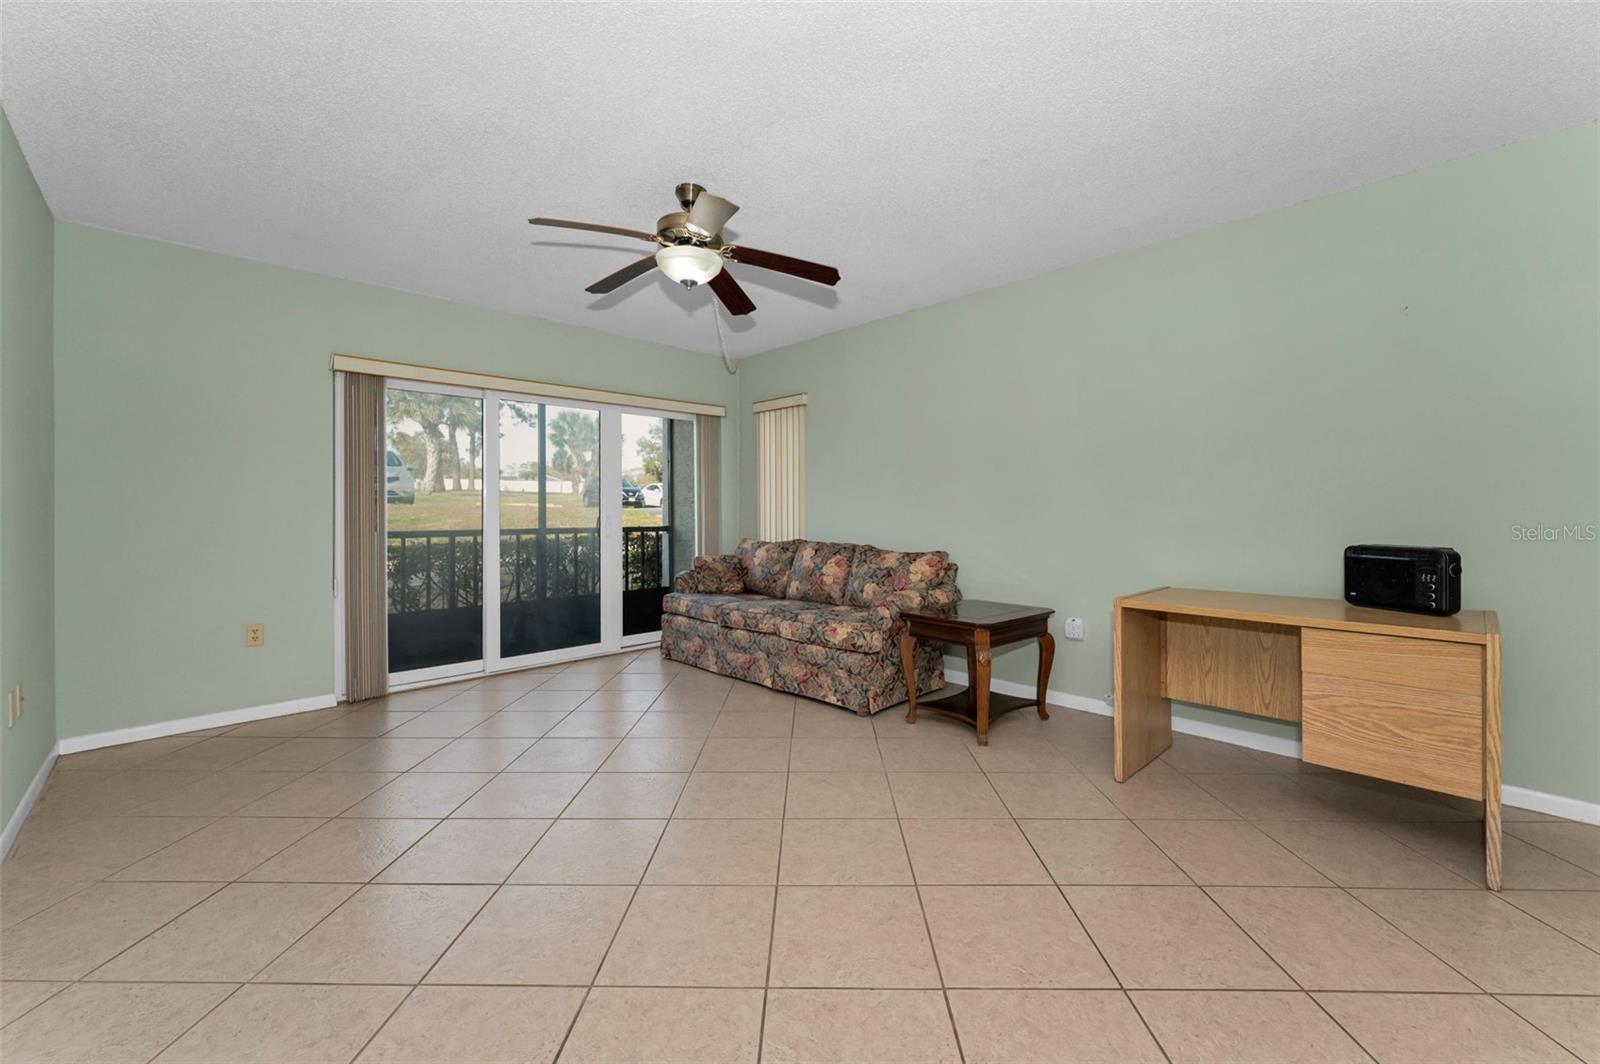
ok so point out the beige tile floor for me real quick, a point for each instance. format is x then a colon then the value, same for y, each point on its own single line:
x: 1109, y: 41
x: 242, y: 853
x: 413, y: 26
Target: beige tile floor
x: 627, y: 860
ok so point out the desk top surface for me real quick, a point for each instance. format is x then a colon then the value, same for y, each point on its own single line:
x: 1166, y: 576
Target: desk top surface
x: 1468, y: 626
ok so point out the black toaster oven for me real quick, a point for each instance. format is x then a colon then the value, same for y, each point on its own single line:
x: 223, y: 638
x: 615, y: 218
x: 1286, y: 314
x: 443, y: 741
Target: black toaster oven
x: 1414, y: 579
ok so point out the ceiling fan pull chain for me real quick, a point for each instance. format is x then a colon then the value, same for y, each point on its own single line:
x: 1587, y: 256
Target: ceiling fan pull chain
x: 716, y: 318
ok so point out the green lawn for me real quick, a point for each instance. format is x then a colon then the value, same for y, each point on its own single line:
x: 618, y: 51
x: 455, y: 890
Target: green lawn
x: 463, y: 509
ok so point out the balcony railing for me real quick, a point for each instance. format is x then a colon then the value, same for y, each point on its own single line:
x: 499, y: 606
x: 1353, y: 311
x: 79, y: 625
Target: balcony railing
x: 441, y: 570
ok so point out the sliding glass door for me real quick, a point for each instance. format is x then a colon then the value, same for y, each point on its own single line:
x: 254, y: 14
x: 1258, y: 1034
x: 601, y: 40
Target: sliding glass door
x: 657, y: 516
x: 433, y: 507
x: 550, y: 536
x: 550, y: 529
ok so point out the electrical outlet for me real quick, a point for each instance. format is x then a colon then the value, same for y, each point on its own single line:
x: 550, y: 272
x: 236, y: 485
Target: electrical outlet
x: 255, y: 635
x: 1073, y: 627
x: 11, y: 709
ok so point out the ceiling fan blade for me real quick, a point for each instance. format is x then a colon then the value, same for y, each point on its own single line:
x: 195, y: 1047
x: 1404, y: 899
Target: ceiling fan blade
x: 732, y: 295
x: 769, y: 260
x: 623, y: 276
x: 709, y: 214
x: 591, y: 227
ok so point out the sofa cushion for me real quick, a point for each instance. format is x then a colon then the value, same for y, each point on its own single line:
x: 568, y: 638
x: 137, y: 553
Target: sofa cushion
x: 821, y: 572
x: 877, y: 573
x: 865, y: 631
x: 766, y: 565
x: 712, y: 574
x: 705, y: 607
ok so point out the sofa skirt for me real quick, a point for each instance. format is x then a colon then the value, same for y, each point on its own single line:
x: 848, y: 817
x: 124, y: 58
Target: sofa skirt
x: 865, y: 683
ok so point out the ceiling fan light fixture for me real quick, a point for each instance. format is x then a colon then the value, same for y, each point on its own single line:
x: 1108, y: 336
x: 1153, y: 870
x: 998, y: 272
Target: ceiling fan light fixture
x: 689, y: 264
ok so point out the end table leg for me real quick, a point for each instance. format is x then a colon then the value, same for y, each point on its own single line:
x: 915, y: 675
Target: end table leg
x: 1047, y: 656
x: 980, y: 687
x: 908, y: 664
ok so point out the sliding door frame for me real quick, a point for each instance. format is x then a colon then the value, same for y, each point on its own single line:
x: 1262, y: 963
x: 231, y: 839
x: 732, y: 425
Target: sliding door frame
x: 610, y: 536
x: 611, y: 576
x: 399, y: 681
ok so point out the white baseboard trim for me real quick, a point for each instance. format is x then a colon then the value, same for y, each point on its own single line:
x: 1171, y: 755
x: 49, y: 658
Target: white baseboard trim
x: 9, y: 834
x: 162, y: 729
x: 1516, y: 797
x: 1550, y: 804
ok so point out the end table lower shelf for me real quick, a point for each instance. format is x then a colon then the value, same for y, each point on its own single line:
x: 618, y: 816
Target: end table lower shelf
x: 979, y: 626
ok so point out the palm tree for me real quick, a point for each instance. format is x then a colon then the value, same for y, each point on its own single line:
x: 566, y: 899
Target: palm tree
x: 574, y: 444
x: 431, y: 412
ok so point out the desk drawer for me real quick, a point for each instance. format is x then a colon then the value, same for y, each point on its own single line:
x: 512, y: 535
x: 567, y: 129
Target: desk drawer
x: 1428, y: 664
x: 1408, y: 710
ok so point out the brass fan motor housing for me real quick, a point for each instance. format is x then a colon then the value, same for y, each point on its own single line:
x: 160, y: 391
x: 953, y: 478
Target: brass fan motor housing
x: 672, y: 229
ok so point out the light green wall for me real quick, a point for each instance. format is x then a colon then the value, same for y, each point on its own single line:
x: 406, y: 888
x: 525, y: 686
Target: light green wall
x: 194, y: 430
x: 27, y: 605
x: 1417, y: 361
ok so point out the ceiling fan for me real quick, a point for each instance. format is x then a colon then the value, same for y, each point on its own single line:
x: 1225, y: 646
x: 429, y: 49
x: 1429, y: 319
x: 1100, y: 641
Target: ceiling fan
x: 692, y: 251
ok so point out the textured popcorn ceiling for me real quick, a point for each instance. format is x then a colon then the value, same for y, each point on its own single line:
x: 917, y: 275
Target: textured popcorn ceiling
x: 926, y: 150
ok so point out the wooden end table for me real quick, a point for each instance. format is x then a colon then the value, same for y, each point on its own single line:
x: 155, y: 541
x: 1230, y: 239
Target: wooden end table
x: 979, y: 626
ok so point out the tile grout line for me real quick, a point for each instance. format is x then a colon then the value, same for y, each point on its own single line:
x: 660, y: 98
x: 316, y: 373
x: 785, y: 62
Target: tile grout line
x: 456, y: 808
x: 1279, y: 964
x: 1242, y: 930
x: 198, y: 1021
x: 1558, y: 1041
x: 727, y: 986
x: 1553, y: 927
x: 1381, y: 824
x: 782, y: 820
x: 1308, y: 994
x: 499, y: 886
x: 1265, y: 952
x: 1061, y: 890
x: 1410, y: 938
x: 632, y: 897
x: 220, y: 887
x: 318, y: 923
x: 777, y: 883
x: 398, y: 1005
x: 496, y: 891
x: 65, y: 986
x: 916, y: 886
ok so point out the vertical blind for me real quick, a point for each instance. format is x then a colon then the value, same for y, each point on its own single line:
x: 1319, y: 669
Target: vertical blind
x: 366, y: 656
x: 708, y: 475
x: 781, y: 467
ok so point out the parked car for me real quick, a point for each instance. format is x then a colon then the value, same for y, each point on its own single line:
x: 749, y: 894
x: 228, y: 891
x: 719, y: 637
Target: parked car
x: 591, y: 493
x: 652, y: 494
x: 399, y: 485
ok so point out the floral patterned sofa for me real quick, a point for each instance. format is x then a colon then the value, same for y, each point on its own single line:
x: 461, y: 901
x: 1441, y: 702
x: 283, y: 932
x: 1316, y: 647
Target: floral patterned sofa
x: 812, y: 618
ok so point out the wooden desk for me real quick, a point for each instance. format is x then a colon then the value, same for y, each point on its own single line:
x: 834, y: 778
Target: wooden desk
x: 1400, y: 696
x: 979, y: 626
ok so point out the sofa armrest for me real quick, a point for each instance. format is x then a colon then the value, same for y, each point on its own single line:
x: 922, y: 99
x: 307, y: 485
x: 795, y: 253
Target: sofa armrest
x: 921, y: 600
x: 711, y: 574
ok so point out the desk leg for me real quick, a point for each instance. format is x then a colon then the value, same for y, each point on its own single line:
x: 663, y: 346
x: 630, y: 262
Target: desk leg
x: 1143, y: 726
x: 908, y: 664
x: 1491, y: 762
x: 980, y: 686
x: 1047, y: 656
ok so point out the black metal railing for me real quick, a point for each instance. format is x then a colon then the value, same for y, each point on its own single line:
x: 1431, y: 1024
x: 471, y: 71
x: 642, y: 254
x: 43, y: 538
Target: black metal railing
x: 441, y: 570
x: 646, y: 558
